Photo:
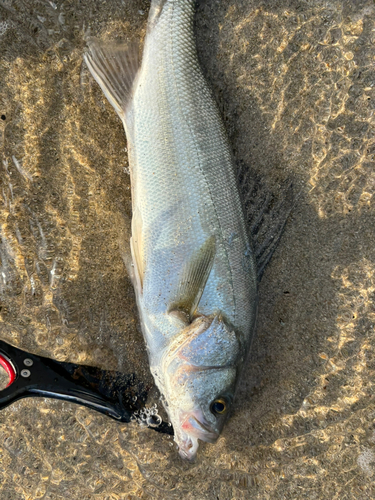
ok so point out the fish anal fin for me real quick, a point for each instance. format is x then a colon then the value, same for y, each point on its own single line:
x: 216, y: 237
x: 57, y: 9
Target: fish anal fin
x: 114, y: 66
x: 155, y: 12
x: 192, y: 282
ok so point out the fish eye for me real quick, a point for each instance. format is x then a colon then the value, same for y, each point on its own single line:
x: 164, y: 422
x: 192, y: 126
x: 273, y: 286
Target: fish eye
x: 219, y: 406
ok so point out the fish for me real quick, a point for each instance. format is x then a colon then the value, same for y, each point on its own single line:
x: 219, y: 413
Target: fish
x: 192, y: 262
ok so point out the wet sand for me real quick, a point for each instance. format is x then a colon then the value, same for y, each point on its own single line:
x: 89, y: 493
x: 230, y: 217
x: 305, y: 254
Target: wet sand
x: 295, y: 84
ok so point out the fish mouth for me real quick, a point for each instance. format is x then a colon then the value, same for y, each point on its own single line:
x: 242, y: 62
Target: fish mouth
x: 202, y: 431
x: 188, y: 448
x: 193, y: 428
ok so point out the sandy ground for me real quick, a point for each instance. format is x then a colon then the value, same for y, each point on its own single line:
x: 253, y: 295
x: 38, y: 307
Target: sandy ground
x: 295, y: 83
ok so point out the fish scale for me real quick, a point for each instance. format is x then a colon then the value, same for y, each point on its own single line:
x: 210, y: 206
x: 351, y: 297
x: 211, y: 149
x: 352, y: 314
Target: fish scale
x: 194, y: 271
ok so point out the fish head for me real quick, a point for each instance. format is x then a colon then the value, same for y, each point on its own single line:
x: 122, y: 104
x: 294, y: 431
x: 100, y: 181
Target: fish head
x: 200, y: 373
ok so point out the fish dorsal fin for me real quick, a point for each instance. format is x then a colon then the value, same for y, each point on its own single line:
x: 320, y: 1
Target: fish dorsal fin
x: 136, y: 247
x: 114, y: 66
x: 192, y: 282
x: 266, y: 213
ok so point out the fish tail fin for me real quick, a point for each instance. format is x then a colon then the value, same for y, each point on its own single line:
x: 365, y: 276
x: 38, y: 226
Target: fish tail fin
x: 114, y: 66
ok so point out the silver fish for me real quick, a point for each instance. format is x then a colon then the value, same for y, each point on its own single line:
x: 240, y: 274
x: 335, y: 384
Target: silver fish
x: 193, y: 269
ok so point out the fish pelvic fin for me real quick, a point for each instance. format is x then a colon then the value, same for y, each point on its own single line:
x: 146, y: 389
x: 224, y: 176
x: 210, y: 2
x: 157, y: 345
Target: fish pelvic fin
x: 136, y: 247
x: 192, y: 282
x: 114, y: 67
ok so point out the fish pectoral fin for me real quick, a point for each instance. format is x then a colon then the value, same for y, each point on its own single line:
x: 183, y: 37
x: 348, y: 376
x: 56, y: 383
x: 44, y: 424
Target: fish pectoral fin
x: 114, y: 66
x: 181, y: 315
x: 193, y: 281
x: 136, y: 247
